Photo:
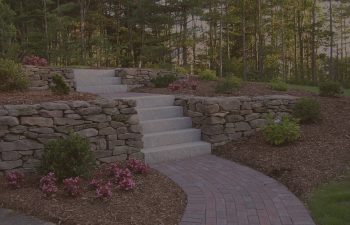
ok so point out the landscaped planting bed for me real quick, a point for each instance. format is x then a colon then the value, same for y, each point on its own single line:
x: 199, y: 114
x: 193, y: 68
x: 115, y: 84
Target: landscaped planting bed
x: 321, y: 154
x: 154, y: 200
x: 33, y: 97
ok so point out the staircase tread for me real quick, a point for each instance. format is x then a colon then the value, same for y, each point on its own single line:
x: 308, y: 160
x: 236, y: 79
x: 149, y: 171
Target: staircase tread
x: 160, y: 107
x: 172, y: 147
x: 165, y: 119
x: 171, y: 132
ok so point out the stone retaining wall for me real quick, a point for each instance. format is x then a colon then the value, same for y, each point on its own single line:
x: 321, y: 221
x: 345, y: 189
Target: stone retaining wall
x: 228, y: 119
x: 134, y: 77
x: 40, y: 78
x: 111, y: 126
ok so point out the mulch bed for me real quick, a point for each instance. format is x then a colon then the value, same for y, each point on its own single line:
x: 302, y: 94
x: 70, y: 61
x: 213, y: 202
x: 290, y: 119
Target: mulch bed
x: 156, y: 200
x: 33, y: 97
x: 207, y: 88
x: 322, y: 154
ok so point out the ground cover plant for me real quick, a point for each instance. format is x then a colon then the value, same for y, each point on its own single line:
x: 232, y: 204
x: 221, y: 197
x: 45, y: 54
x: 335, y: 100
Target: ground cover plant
x: 330, y: 89
x: 278, y: 85
x: 59, y: 85
x: 228, y: 85
x: 330, y: 203
x: 163, y: 81
x: 208, y: 75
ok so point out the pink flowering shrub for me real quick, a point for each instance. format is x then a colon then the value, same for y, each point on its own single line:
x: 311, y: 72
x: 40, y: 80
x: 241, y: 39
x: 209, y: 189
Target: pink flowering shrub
x: 34, y: 61
x: 72, y: 186
x: 48, y: 184
x: 137, y: 166
x: 183, y: 84
x: 14, y: 179
x: 104, y: 190
x: 95, y: 183
x: 127, y: 183
x: 122, y: 177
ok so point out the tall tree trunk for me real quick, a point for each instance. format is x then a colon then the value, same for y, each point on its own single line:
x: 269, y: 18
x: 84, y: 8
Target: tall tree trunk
x: 331, y: 71
x: 244, y: 40
x: 313, y: 47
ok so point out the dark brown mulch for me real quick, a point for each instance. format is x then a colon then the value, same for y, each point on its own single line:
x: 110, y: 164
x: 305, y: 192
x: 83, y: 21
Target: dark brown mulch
x: 155, y: 201
x: 207, y: 88
x: 322, y: 154
x: 33, y: 97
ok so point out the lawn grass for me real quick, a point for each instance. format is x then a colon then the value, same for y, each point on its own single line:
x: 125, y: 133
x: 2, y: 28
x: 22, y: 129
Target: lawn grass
x: 313, y: 89
x: 330, y: 205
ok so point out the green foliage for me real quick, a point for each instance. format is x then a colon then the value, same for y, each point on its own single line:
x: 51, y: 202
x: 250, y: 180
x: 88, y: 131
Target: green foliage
x: 228, y: 85
x: 163, y: 81
x: 182, y: 70
x: 208, y: 75
x: 12, y: 77
x: 278, y: 85
x: 285, y: 131
x: 329, y: 205
x: 69, y: 157
x: 330, y: 89
x: 59, y: 85
x: 307, y: 110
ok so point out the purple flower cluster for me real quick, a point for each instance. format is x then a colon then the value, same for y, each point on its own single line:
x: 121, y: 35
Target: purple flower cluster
x: 72, y: 186
x: 137, y: 166
x: 48, y: 184
x: 14, y: 179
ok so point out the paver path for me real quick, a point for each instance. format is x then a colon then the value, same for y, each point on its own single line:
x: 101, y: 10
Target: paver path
x: 221, y: 192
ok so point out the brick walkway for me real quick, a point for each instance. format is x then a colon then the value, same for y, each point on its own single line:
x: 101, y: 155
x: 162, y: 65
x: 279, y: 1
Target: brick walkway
x: 221, y: 192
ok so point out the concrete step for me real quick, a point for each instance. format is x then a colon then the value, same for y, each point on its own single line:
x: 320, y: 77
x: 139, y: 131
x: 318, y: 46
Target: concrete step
x: 152, y: 101
x: 103, y: 89
x: 176, y: 152
x: 166, y: 138
x: 159, y: 112
x: 97, y: 81
x: 83, y: 73
x: 155, y: 126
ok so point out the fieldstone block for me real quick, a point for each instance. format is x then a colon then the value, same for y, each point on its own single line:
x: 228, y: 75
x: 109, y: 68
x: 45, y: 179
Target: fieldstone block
x: 88, y: 133
x: 101, y: 118
x: 234, y: 118
x: 11, y: 137
x: 11, y: 156
x: 21, y: 110
x: 42, y: 130
x: 242, y: 126
x: 213, y: 130
x: 79, y: 104
x: 124, y: 150
x: 67, y: 121
x: 37, y: 121
x: 259, y: 123
x: 90, y: 110
x: 252, y: 116
x: 230, y: 104
x: 107, y: 131
x: 73, y: 116
x: 117, y: 158
x: 51, y: 113
x: 55, y: 106
x: 8, y: 121
x: 9, y: 165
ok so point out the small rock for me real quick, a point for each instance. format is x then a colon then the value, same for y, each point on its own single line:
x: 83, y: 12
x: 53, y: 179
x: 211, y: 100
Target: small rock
x: 37, y: 121
x: 88, y: 133
x: 8, y: 121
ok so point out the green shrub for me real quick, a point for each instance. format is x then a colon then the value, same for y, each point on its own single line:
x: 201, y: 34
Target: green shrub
x: 69, y: 157
x: 278, y: 85
x: 330, y: 89
x: 228, y: 85
x: 208, y: 75
x: 59, y: 85
x: 163, y: 81
x: 307, y: 110
x: 182, y: 70
x: 282, y: 132
x: 12, y: 77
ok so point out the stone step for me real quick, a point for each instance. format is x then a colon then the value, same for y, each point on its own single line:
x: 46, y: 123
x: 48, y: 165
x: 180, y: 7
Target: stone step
x: 152, y: 101
x: 166, y: 138
x: 97, y: 81
x: 176, y: 152
x: 103, y: 89
x: 155, y: 126
x: 83, y: 73
x: 159, y: 112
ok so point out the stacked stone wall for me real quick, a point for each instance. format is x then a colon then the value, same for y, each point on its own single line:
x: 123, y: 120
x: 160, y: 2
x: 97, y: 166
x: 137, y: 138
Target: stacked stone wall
x: 111, y: 126
x: 227, y: 119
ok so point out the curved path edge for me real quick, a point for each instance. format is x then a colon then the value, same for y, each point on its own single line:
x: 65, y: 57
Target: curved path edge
x: 11, y: 217
x: 221, y: 192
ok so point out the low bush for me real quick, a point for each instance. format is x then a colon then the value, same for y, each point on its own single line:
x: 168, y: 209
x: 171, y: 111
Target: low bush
x: 34, y: 61
x: 12, y: 77
x: 104, y: 190
x: 70, y: 157
x: 208, y: 75
x: 137, y: 166
x: 14, y: 179
x: 330, y: 89
x: 183, y: 84
x: 163, y: 81
x: 228, y: 85
x: 59, y: 85
x: 307, y: 110
x: 279, y: 132
x: 278, y: 85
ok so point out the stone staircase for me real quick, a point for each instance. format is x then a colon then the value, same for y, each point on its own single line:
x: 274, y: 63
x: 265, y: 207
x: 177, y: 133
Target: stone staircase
x: 167, y: 134
x: 98, y: 81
